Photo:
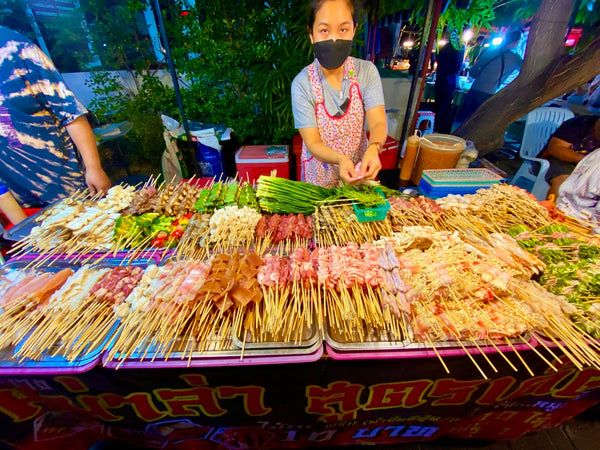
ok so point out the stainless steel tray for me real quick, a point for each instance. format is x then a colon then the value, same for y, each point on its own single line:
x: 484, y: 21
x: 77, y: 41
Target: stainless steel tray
x: 410, y: 345
x: 374, y: 344
x: 59, y: 264
x: 310, y: 336
x: 6, y: 356
x: 229, y: 350
x: 23, y: 228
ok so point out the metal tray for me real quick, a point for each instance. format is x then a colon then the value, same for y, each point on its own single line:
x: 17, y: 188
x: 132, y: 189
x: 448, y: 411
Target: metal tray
x: 57, y: 364
x: 23, y: 228
x: 310, y: 336
x: 361, y: 345
x: 420, y: 350
x: 230, y: 355
x: 51, y: 364
x: 77, y: 259
x: 412, y: 346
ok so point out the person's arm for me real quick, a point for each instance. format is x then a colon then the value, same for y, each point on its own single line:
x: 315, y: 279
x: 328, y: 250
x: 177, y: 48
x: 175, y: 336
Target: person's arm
x: 324, y: 153
x: 378, y: 134
x: 10, y: 207
x: 83, y: 137
x: 374, y: 104
x: 563, y: 150
x: 51, y: 91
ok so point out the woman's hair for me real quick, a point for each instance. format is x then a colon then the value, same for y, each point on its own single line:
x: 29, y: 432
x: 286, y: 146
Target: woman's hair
x: 315, y: 5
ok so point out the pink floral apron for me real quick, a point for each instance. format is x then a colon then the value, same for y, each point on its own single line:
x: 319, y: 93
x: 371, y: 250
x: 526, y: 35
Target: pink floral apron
x: 344, y: 134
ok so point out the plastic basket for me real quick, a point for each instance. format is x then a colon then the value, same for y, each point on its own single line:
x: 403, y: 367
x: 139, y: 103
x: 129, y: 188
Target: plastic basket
x: 461, y: 177
x: 378, y: 212
x: 442, y: 182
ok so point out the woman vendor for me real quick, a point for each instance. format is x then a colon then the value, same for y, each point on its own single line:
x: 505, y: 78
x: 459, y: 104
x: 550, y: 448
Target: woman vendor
x: 331, y: 98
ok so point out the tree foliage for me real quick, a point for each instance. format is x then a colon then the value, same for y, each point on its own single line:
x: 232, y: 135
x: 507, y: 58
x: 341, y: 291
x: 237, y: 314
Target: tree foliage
x: 122, y: 46
x: 548, y: 71
x: 14, y: 16
x: 479, y: 14
x: 117, y: 41
x: 239, y: 59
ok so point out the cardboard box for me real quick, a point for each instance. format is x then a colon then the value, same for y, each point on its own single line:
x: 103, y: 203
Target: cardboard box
x: 252, y: 161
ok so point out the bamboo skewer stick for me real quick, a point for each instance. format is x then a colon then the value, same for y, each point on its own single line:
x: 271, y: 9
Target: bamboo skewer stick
x: 507, y: 341
x: 484, y: 355
x: 501, y: 353
x: 539, y: 354
x: 437, y: 353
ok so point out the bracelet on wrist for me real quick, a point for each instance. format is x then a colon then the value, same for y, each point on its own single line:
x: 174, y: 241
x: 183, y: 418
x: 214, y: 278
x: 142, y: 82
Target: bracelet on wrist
x: 378, y: 145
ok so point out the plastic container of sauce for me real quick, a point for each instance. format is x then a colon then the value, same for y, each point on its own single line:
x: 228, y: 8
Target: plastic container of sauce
x: 412, y: 146
x: 437, y: 151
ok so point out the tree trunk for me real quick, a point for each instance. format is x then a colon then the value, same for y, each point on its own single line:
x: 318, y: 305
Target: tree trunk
x: 546, y: 73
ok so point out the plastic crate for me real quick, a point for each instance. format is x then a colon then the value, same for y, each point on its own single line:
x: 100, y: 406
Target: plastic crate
x: 378, y: 212
x: 442, y: 182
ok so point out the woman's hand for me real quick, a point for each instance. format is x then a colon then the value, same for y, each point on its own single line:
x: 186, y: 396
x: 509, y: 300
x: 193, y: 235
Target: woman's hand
x: 371, y: 165
x: 347, y: 170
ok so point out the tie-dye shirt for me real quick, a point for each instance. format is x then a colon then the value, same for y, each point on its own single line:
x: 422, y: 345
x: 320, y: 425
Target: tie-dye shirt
x: 38, y: 161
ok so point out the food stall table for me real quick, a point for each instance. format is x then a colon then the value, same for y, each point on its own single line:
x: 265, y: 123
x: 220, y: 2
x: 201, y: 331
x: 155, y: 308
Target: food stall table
x: 327, y: 395
x: 326, y: 402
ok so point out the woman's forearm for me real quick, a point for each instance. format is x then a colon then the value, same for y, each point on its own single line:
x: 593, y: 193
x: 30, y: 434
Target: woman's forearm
x: 563, y: 150
x: 10, y: 207
x: 377, y: 122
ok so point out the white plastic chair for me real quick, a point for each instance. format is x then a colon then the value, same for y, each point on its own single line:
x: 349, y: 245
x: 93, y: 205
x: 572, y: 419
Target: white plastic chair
x: 539, y: 125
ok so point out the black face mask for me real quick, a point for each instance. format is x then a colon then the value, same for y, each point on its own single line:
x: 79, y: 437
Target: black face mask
x: 332, y: 54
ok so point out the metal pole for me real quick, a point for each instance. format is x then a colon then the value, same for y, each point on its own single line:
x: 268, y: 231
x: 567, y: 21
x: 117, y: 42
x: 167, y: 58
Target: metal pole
x: 413, y: 86
x: 36, y: 29
x: 165, y: 44
x: 430, y: 41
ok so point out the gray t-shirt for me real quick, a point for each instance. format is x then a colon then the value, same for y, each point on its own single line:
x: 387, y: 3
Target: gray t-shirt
x: 488, y: 72
x: 336, y: 102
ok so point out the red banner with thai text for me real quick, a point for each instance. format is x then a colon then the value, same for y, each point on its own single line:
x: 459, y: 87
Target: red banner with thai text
x: 326, y: 403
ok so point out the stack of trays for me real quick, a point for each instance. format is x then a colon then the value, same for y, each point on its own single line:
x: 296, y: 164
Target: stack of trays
x: 442, y: 182
x: 52, y: 361
x: 394, y: 348
x: 231, y: 351
x: 50, y: 364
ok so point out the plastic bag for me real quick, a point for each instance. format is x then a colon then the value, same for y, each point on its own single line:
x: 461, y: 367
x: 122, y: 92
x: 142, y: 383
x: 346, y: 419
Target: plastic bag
x: 172, y: 163
x: 169, y: 123
x: 208, y: 152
